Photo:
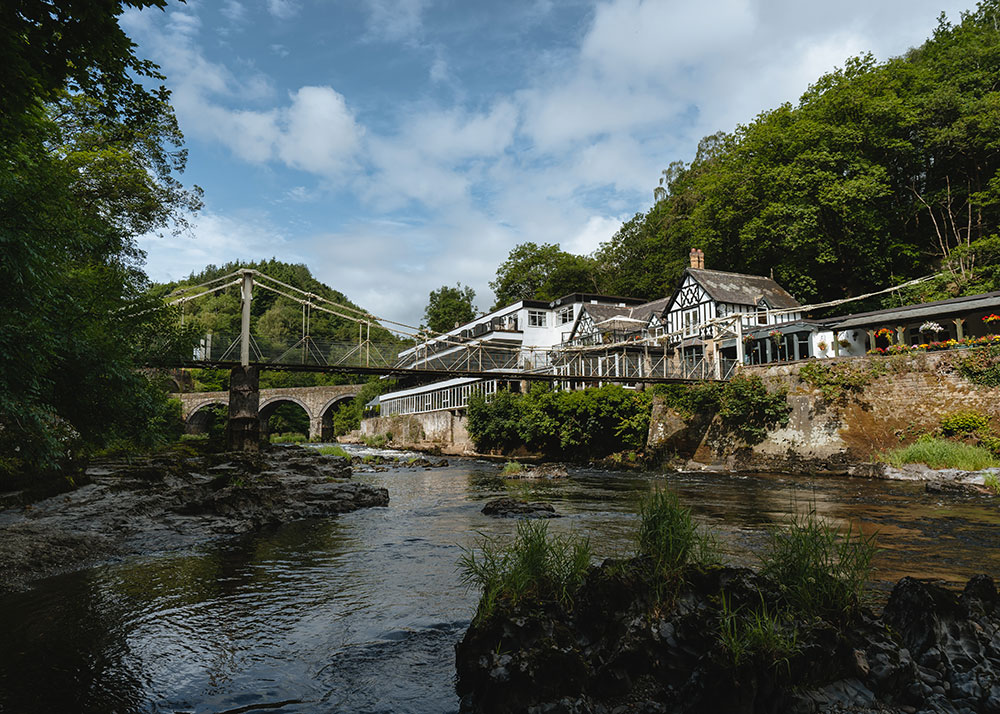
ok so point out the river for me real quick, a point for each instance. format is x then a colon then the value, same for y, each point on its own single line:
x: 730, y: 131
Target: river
x: 361, y: 613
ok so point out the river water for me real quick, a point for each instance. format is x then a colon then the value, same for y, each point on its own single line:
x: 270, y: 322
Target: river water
x: 361, y: 613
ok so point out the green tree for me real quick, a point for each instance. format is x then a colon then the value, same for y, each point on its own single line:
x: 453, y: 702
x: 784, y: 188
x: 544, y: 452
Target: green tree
x: 542, y: 272
x: 89, y: 160
x: 448, y: 307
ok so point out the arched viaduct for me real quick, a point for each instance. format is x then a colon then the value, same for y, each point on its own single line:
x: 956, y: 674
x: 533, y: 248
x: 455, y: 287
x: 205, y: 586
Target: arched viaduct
x: 318, y: 403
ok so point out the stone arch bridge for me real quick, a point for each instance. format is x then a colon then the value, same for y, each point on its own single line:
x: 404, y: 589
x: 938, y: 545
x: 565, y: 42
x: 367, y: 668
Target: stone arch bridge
x: 318, y: 402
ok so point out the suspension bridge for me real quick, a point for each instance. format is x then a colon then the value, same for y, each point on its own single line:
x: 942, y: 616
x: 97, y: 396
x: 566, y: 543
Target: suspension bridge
x: 434, y: 355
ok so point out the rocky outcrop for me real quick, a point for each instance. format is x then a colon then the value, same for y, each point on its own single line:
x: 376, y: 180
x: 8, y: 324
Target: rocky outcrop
x: 513, y: 508
x: 164, y: 503
x: 623, y: 647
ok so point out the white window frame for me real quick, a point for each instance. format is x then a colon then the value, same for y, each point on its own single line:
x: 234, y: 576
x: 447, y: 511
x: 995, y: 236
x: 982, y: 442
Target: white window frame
x: 689, y: 319
x: 537, y: 318
x: 566, y: 315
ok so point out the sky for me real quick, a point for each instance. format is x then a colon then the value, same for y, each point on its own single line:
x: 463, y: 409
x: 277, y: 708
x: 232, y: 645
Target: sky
x: 395, y: 146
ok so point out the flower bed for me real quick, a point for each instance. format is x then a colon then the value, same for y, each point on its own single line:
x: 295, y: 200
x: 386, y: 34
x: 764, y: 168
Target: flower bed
x: 938, y: 346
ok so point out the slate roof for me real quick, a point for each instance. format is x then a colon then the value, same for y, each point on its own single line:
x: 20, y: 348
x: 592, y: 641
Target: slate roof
x: 740, y: 289
x: 921, y: 311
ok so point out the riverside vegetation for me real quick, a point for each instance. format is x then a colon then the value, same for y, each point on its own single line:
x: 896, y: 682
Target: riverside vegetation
x: 599, y: 421
x: 670, y: 629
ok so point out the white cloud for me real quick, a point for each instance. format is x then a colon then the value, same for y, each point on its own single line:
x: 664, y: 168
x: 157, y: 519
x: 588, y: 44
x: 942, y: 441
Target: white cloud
x: 214, y: 239
x: 283, y: 9
x: 234, y: 11
x: 319, y: 133
x: 394, y: 20
x: 597, y: 230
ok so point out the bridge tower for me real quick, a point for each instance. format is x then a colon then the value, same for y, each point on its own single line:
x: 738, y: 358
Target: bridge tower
x: 243, y: 427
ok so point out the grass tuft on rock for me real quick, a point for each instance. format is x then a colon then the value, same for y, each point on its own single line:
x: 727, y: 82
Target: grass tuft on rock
x: 534, y: 566
x: 511, y: 468
x: 669, y: 536
x: 334, y: 451
x: 820, y: 569
x: 941, y: 454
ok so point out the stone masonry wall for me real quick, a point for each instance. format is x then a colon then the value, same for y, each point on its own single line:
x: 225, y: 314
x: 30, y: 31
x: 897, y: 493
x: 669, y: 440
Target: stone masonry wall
x: 441, y: 430
x: 894, y: 408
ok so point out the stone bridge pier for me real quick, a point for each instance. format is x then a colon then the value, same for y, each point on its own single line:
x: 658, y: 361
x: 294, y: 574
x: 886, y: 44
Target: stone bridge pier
x: 319, y: 403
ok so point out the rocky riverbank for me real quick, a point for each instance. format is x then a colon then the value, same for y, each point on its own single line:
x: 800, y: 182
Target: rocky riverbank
x: 147, y: 505
x: 625, y: 647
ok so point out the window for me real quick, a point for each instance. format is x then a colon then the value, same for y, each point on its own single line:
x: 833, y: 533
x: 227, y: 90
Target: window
x: 566, y: 315
x: 689, y: 318
x: 536, y: 318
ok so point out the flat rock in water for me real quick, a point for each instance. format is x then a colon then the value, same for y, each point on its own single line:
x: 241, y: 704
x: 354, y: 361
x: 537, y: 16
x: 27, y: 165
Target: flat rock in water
x: 166, y: 503
x: 513, y: 508
x: 543, y: 471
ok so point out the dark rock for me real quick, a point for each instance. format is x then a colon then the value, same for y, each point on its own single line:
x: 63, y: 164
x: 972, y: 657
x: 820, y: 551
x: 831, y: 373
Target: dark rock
x: 167, y: 503
x: 513, y: 508
x: 629, y: 645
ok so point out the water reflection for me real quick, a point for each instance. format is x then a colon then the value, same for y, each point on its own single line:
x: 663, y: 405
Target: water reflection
x: 361, y: 613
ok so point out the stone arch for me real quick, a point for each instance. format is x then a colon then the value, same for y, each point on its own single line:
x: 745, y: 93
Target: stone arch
x: 325, y: 426
x: 268, y: 406
x: 200, y: 418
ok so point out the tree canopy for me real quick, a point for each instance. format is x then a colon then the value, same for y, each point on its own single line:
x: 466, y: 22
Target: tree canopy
x: 542, y: 272
x: 880, y: 173
x: 448, y: 307
x: 89, y: 161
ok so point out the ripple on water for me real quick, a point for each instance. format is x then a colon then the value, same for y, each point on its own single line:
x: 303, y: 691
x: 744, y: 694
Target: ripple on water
x: 361, y: 613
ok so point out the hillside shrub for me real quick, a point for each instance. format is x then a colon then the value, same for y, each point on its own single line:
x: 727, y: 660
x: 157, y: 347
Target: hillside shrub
x: 965, y: 422
x: 837, y: 382
x: 981, y: 366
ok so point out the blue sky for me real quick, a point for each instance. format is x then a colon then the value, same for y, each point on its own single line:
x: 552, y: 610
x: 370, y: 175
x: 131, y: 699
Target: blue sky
x: 395, y: 146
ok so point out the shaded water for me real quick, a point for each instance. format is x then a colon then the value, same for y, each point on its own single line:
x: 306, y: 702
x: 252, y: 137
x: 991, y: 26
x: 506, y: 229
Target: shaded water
x: 361, y: 613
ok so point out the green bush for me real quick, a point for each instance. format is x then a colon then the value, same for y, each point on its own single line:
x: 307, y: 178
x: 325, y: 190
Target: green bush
x: 981, y: 366
x: 965, y: 422
x: 583, y: 424
x: 941, y: 454
x: 993, y: 483
x: 511, y: 468
x: 820, y: 569
x: 745, y: 406
x: 534, y: 566
x: 334, y: 451
x: 289, y: 437
x: 991, y: 444
x: 837, y: 382
x: 669, y: 536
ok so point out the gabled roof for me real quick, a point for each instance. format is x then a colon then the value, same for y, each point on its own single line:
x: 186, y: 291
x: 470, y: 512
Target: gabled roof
x: 740, y: 289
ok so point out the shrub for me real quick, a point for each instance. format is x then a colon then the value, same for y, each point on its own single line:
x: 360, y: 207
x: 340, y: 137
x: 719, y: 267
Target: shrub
x: 748, y: 409
x: 991, y: 444
x: 669, y: 536
x: 288, y: 437
x: 534, y: 566
x: 580, y: 424
x: 837, y: 382
x: 941, y: 454
x: 511, y: 467
x: 993, y: 483
x: 982, y: 366
x: 967, y: 422
x: 334, y: 451
x: 820, y: 569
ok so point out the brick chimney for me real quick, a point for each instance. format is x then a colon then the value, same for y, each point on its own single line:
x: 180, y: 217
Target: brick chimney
x: 697, y: 258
